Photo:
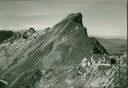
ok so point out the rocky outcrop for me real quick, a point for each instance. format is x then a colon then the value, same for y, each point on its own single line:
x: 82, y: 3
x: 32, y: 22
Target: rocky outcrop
x: 10, y: 36
x: 52, y: 59
x: 28, y: 33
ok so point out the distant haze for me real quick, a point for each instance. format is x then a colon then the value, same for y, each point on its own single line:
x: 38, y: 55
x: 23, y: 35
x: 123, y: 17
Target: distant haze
x: 100, y: 17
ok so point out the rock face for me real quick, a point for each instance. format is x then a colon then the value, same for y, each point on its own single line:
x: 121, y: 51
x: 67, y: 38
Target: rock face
x: 53, y: 59
x: 97, y: 47
x: 29, y: 33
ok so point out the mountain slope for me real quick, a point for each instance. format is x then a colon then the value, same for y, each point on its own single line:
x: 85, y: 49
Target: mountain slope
x: 52, y: 59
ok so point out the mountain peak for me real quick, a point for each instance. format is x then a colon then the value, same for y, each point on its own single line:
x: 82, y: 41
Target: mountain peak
x: 75, y: 17
x: 63, y: 55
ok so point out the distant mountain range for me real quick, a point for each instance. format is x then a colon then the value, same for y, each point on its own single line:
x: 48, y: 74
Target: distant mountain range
x: 110, y: 36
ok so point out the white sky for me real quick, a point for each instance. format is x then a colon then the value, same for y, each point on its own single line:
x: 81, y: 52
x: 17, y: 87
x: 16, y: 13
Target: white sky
x: 100, y: 17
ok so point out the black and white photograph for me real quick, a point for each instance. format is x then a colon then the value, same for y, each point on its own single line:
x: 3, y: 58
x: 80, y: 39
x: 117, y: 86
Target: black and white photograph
x: 63, y: 44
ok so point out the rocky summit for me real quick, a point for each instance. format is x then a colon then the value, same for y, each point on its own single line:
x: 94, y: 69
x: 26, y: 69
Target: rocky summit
x: 63, y: 57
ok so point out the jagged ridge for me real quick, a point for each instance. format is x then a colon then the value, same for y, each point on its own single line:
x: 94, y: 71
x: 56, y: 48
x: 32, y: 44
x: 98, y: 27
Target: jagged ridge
x: 48, y: 56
